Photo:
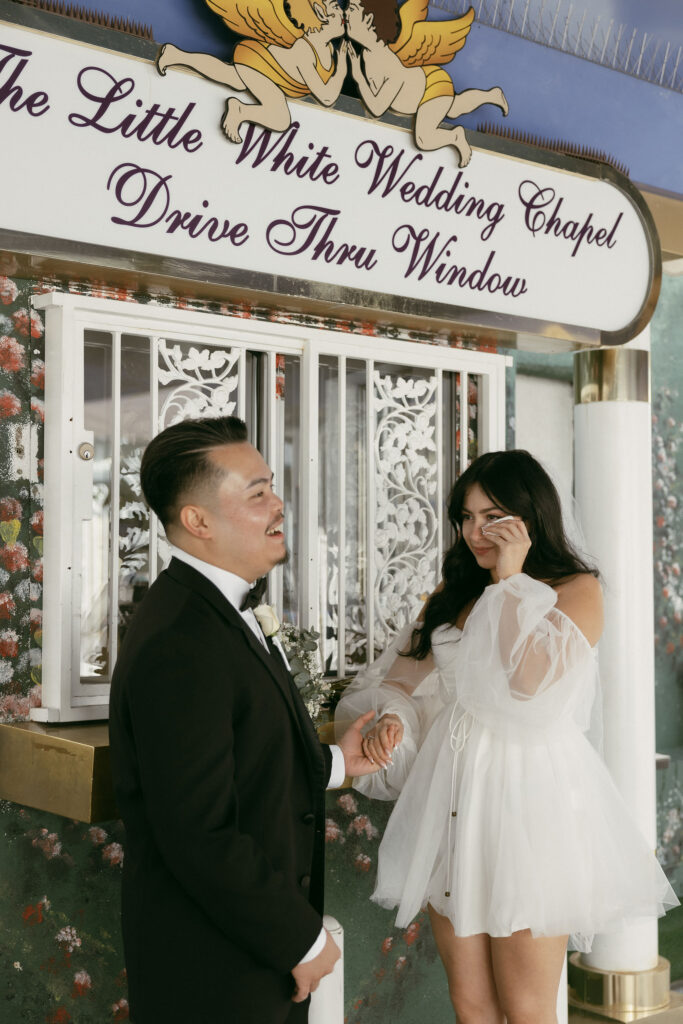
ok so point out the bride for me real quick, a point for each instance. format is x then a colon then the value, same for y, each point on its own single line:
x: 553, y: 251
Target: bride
x: 507, y: 825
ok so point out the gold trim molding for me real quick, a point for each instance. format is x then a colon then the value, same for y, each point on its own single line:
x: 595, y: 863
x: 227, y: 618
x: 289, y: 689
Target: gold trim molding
x: 612, y: 375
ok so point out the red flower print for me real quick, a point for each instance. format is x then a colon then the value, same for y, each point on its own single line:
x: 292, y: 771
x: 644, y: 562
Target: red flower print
x: 50, y: 845
x: 7, y: 605
x: 113, y: 855
x: 387, y: 944
x: 9, y: 644
x: 67, y: 937
x: 11, y: 355
x: 10, y: 508
x: 400, y: 964
x: 332, y: 831
x: 37, y: 570
x: 38, y: 407
x: 362, y: 824
x: 9, y: 405
x: 82, y: 984
x: 362, y: 862
x: 60, y: 1016
x: 348, y: 803
x: 411, y: 933
x: 120, y: 1010
x: 14, y: 557
x: 35, y: 619
x: 38, y: 374
x: 8, y: 291
x: 33, y: 914
x: 27, y: 323
x: 37, y: 521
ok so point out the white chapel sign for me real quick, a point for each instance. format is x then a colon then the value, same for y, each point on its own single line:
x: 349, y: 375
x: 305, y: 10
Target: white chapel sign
x: 107, y: 153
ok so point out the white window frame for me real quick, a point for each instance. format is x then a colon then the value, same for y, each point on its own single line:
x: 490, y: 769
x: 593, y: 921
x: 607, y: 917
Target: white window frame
x: 68, y: 478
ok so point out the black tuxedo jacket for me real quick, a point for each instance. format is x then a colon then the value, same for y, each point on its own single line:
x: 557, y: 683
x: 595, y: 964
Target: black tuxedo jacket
x: 220, y: 780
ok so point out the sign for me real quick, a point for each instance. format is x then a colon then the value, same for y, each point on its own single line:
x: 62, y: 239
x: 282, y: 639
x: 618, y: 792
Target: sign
x: 100, y: 150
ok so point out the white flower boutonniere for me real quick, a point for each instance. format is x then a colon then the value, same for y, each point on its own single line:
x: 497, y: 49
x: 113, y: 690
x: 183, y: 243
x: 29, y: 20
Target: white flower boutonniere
x: 267, y: 619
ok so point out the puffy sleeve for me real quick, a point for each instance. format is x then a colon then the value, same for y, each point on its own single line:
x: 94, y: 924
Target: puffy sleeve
x: 396, y: 685
x: 526, y: 665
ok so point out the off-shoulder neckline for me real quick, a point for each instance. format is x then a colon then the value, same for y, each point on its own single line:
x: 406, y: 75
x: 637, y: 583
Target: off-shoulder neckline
x: 461, y: 629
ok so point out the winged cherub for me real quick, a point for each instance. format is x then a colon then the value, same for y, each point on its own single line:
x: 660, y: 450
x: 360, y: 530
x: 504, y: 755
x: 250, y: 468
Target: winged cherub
x: 400, y: 69
x: 282, y: 56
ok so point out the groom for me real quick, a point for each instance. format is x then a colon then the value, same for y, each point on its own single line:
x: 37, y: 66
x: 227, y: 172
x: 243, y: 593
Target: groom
x: 217, y: 768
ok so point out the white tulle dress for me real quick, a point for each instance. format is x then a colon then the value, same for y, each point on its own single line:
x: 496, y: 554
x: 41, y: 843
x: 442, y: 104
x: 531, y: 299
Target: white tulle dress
x: 506, y: 816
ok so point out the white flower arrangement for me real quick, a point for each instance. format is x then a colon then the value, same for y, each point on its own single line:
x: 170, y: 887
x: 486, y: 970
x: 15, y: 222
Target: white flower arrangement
x: 303, y: 655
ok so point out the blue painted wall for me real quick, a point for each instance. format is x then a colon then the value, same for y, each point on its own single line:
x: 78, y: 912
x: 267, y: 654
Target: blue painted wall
x: 551, y: 94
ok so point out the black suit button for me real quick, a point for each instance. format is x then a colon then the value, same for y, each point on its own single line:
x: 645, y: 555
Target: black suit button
x: 308, y: 818
x: 305, y: 882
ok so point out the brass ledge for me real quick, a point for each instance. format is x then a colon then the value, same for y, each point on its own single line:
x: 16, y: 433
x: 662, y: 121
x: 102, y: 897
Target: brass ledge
x: 61, y: 769
x: 65, y: 769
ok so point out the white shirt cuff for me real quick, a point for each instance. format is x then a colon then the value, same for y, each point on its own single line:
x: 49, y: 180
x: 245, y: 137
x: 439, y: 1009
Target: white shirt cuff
x: 338, y: 773
x: 317, y: 948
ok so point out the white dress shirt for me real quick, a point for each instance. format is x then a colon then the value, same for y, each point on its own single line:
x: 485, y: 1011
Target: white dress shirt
x: 234, y: 589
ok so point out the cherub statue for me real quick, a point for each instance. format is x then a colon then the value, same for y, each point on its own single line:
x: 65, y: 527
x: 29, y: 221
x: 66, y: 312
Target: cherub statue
x: 400, y: 69
x: 281, y: 57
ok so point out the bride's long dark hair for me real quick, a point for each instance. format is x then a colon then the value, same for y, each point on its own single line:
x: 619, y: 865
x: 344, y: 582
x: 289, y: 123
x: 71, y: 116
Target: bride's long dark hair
x: 518, y: 485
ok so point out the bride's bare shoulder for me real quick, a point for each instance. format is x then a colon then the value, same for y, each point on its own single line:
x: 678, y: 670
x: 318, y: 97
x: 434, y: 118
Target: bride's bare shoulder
x: 580, y: 598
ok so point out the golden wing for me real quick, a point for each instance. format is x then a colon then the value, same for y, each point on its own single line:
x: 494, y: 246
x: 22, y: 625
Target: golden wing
x: 423, y: 42
x: 259, y: 19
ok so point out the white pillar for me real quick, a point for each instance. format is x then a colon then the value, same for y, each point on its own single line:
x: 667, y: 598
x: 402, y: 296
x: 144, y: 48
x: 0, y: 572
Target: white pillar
x: 327, y: 1002
x: 613, y: 485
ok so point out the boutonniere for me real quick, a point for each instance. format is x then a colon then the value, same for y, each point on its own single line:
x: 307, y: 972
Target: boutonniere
x: 267, y: 619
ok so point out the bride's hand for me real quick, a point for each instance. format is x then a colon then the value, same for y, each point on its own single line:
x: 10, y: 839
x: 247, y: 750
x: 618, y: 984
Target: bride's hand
x: 513, y: 543
x: 380, y: 742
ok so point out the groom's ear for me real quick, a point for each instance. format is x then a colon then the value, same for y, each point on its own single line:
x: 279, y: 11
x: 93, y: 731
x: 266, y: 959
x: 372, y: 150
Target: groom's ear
x: 193, y: 518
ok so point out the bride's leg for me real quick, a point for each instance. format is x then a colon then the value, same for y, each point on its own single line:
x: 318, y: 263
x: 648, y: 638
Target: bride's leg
x: 527, y: 976
x: 469, y: 971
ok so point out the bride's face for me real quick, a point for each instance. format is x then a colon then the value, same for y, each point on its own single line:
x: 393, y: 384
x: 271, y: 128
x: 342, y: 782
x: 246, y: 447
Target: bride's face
x: 478, y: 510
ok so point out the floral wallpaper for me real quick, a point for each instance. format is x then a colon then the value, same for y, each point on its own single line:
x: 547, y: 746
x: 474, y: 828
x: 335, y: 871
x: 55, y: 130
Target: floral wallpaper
x: 667, y: 459
x: 61, y: 959
x: 22, y: 379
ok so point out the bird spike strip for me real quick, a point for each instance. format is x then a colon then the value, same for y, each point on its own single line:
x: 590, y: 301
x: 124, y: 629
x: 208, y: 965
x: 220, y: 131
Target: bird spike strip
x: 556, y: 145
x: 111, y: 21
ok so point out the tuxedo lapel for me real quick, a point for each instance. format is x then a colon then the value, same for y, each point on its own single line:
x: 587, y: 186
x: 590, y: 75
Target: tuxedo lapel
x: 270, y: 658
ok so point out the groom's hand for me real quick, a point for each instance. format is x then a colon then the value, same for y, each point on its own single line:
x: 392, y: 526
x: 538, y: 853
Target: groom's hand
x: 307, y: 976
x: 351, y: 743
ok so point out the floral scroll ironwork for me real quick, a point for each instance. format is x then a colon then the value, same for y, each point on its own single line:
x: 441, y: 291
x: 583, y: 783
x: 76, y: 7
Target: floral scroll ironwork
x: 406, y: 513
x: 201, y: 382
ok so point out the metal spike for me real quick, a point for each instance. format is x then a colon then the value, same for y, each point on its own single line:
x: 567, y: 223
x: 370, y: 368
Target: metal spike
x: 641, y: 53
x: 552, y: 28
x: 80, y: 13
x: 630, y: 47
x: 604, y: 48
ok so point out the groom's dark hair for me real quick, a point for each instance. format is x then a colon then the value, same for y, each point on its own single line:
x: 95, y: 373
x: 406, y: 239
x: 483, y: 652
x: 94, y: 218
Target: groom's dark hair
x: 176, y: 462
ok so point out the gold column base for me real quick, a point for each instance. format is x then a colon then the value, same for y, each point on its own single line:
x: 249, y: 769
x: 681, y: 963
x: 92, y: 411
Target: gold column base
x: 623, y: 995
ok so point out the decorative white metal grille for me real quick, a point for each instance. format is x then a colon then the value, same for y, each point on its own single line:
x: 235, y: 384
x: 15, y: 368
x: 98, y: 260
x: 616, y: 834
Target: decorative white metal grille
x: 406, y: 513
x: 363, y: 452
